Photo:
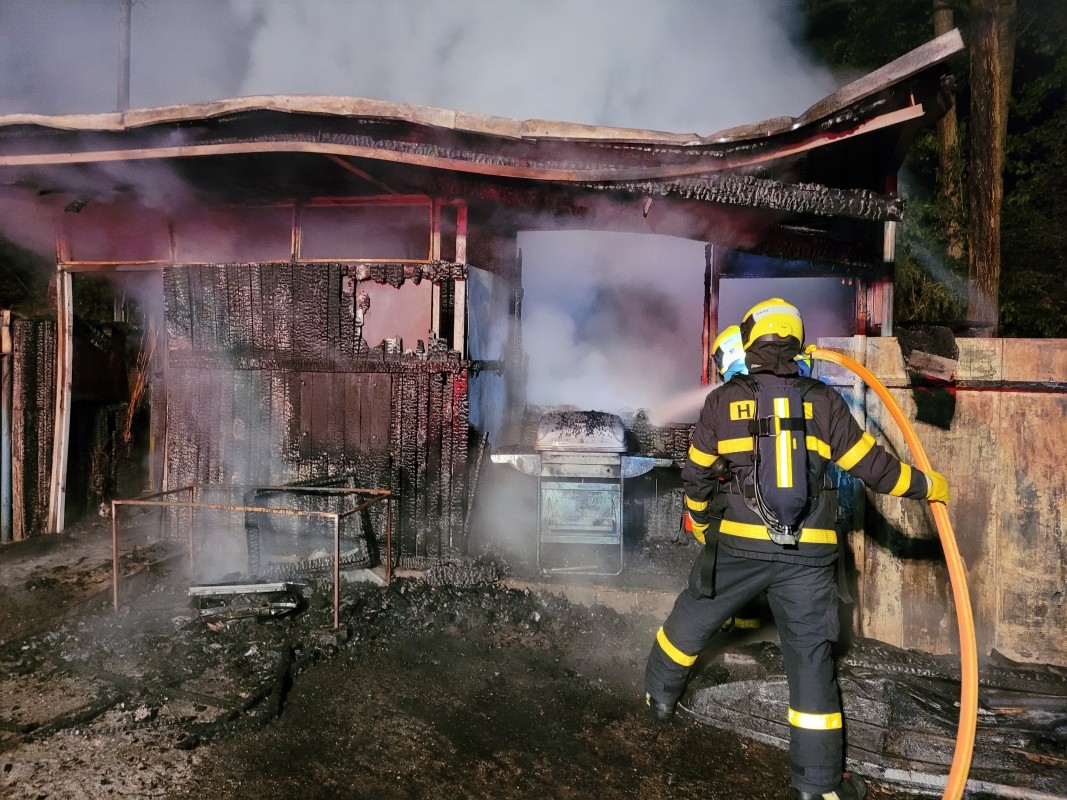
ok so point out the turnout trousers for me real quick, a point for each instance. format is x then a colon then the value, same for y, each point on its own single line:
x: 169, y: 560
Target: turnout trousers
x: 804, y: 600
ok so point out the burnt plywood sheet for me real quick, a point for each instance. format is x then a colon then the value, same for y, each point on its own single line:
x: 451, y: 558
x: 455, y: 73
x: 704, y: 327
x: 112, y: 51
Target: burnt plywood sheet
x: 265, y: 385
x: 998, y: 446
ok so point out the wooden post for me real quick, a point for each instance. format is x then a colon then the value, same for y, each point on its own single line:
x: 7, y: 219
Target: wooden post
x: 861, y: 306
x: 709, y: 373
x: 435, y: 255
x: 295, y: 237
x: 64, y: 364
x: 987, y: 166
x: 6, y: 370
x: 124, y: 54
x: 459, y: 314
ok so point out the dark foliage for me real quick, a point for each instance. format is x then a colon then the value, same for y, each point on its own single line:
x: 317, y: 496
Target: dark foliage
x: 23, y: 279
x: 859, y: 35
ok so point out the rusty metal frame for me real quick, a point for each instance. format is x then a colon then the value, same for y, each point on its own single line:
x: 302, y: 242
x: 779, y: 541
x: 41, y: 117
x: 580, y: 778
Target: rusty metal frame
x: 155, y: 500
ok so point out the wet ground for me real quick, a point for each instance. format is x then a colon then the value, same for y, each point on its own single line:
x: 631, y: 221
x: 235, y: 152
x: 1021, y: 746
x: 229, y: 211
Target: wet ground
x: 424, y: 691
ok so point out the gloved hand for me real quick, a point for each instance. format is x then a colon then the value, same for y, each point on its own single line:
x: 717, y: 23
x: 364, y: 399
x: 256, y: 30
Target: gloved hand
x: 699, y: 529
x: 936, y: 487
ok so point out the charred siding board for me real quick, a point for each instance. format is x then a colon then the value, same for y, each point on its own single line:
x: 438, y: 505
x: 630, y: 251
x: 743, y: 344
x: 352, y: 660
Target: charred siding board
x: 32, y: 423
x: 262, y: 388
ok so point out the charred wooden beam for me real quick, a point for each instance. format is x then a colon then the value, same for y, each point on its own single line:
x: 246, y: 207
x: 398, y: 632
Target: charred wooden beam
x: 797, y: 198
x: 835, y: 255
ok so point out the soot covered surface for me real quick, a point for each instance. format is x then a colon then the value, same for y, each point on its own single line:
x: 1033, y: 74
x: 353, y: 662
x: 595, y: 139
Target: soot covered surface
x: 901, y: 709
x: 424, y: 691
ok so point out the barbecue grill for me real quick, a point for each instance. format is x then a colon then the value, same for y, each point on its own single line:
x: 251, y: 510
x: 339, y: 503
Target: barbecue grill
x: 580, y: 462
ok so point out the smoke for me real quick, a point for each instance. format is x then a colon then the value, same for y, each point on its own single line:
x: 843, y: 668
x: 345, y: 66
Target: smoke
x: 611, y: 321
x: 670, y: 65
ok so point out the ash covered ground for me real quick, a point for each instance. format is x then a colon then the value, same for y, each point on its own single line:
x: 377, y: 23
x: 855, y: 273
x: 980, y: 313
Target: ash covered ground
x: 423, y: 691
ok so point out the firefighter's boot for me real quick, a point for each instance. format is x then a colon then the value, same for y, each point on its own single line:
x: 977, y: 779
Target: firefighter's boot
x: 852, y: 788
x: 661, y: 712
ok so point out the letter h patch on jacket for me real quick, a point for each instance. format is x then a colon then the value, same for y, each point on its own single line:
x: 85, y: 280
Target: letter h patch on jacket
x: 743, y: 409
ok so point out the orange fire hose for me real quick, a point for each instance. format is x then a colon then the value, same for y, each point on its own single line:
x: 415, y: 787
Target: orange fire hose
x: 961, y: 759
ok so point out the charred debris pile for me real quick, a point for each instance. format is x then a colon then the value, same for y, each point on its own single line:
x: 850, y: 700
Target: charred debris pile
x: 901, y: 709
x: 160, y: 665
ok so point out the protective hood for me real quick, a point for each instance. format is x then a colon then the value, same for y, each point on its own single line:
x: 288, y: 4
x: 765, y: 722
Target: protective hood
x: 773, y: 354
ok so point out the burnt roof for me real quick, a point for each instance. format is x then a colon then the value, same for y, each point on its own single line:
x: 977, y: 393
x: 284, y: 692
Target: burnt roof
x: 831, y: 161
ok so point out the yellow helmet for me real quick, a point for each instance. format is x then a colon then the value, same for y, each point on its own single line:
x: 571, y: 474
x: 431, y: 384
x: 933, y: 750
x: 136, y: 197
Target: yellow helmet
x: 728, y: 350
x: 774, y: 316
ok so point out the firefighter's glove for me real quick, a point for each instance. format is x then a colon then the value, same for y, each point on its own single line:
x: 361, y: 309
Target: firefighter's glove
x: 936, y: 487
x: 699, y: 530
x: 699, y: 518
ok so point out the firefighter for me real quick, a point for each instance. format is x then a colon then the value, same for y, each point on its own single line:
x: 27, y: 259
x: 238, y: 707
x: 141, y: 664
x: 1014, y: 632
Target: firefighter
x: 764, y: 441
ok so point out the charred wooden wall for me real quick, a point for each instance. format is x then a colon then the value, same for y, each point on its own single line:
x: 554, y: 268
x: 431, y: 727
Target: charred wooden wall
x: 268, y: 382
x: 997, y: 437
x: 32, y: 424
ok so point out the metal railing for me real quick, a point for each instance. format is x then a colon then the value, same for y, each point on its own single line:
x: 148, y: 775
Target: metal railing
x: 156, y: 500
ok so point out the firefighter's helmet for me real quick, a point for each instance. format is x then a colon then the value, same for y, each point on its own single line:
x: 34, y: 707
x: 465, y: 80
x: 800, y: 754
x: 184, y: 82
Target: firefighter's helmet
x: 729, y: 353
x: 772, y: 317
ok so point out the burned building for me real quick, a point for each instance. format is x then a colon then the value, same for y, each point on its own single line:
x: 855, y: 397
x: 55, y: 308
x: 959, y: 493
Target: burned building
x: 323, y: 297
x: 341, y: 284
x: 331, y: 288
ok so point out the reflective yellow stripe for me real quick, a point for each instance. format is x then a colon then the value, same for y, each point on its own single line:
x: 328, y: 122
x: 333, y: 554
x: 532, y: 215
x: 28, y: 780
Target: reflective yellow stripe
x: 696, y: 505
x: 784, y: 461
x: 819, y: 446
x: 856, y: 452
x: 700, y: 457
x: 807, y: 535
x: 809, y: 413
x: 676, y: 655
x: 749, y: 624
x: 903, y: 482
x: 815, y: 722
x: 736, y: 445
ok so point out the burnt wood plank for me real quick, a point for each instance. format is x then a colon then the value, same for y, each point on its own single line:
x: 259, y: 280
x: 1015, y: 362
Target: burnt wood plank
x: 460, y: 433
x: 241, y: 427
x: 333, y: 306
x: 352, y: 419
x: 309, y: 306
x: 177, y: 308
x: 422, y: 486
x: 434, y: 473
x: 333, y: 442
x: 283, y: 311
x: 306, y: 412
x: 447, y: 395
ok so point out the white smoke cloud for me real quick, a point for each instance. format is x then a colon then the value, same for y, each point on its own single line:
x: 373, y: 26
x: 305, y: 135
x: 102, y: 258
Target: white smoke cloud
x: 669, y: 65
x: 611, y: 321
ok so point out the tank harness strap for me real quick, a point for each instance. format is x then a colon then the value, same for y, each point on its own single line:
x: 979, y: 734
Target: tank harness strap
x: 772, y: 426
x: 842, y: 578
x: 717, y: 510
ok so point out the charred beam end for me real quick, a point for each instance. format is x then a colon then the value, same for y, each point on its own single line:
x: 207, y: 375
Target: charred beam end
x: 745, y: 190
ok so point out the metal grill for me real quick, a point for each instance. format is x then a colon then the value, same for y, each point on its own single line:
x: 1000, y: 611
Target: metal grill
x: 580, y: 462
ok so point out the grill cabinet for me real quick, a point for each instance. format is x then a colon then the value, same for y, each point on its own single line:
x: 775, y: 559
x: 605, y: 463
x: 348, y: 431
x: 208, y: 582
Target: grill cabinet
x: 580, y: 462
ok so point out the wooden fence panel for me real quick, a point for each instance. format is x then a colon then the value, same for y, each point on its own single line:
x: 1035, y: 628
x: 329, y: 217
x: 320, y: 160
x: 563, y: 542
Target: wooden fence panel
x: 996, y: 436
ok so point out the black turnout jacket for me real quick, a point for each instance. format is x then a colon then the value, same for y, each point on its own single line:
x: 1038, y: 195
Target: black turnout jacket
x: 831, y: 434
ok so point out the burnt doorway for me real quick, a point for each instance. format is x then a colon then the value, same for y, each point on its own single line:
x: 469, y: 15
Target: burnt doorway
x: 611, y: 321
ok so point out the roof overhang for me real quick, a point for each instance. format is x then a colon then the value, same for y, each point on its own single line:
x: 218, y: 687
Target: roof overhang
x: 831, y: 161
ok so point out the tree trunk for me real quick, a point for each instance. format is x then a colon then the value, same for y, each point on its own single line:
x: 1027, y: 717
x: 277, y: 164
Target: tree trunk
x: 947, y: 132
x: 987, y: 165
x: 1006, y: 32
